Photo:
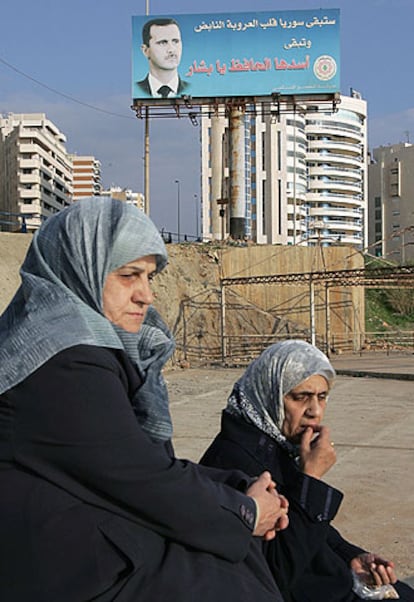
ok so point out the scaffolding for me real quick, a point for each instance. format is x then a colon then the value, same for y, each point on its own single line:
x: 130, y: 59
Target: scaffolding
x: 385, y: 277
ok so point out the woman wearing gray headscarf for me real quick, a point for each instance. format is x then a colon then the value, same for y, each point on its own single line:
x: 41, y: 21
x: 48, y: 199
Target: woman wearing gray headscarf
x: 273, y: 421
x: 93, y: 504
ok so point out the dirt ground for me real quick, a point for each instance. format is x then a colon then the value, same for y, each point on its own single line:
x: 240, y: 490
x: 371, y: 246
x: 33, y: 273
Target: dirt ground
x: 372, y: 424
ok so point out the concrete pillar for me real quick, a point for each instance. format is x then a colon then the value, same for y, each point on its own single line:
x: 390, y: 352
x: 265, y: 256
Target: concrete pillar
x: 217, y: 159
x: 237, y: 204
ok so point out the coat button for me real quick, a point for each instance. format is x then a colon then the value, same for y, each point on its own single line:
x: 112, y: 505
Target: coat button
x: 247, y: 515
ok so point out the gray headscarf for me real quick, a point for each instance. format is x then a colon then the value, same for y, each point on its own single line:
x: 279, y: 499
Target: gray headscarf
x: 59, y: 302
x: 258, y: 395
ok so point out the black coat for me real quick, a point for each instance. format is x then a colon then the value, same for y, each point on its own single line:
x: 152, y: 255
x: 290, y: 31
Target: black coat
x: 309, y: 559
x: 91, y: 509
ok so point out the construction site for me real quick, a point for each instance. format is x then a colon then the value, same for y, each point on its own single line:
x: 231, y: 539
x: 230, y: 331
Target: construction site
x: 225, y: 303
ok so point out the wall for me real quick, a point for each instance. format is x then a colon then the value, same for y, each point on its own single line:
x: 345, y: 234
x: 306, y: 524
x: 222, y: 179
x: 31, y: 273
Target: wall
x: 188, y: 292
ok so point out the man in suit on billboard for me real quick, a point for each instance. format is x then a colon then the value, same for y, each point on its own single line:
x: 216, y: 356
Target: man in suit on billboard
x: 162, y: 46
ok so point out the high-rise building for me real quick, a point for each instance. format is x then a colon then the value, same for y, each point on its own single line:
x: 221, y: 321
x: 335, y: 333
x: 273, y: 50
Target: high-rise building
x: 304, y: 173
x: 35, y: 171
x: 126, y: 195
x: 86, y: 176
x: 391, y: 202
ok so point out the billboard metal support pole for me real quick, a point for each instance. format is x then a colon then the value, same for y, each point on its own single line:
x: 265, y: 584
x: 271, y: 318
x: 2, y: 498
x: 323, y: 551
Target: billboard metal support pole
x: 223, y: 322
x: 146, y: 149
x: 178, y: 210
x: 184, y: 330
x: 312, y: 310
x: 327, y: 322
x: 237, y: 174
x: 294, y: 175
x: 146, y: 164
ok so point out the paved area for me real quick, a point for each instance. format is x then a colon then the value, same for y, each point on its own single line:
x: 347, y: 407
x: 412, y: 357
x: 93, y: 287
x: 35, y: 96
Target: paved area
x: 395, y: 365
x: 372, y: 424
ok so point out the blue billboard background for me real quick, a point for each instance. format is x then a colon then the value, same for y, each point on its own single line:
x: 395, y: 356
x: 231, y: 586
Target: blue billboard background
x: 251, y: 54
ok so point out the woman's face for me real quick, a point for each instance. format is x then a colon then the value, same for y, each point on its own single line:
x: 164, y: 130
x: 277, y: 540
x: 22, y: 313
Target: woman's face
x: 304, y: 406
x: 127, y: 293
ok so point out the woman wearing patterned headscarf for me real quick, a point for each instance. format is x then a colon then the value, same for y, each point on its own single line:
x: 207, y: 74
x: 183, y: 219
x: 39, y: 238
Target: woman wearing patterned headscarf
x: 93, y: 504
x: 273, y: 421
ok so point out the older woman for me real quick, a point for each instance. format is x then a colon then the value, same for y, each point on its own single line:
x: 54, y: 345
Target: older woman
x: 273, y: 421
x: 93, y: 505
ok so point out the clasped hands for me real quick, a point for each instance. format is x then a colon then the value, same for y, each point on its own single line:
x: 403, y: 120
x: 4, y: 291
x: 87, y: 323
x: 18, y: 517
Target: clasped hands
x: 272, y: 508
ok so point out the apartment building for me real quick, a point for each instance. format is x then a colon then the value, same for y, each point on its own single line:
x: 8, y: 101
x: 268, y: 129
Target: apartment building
x: 126, y: 195
x: 305, y: 173
x: 35, y: 171
x: 86, y: 176
x: 391, y: 202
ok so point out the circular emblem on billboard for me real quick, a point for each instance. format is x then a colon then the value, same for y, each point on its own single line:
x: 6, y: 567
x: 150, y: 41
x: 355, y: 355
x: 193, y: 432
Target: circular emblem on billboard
x: 324, y: 67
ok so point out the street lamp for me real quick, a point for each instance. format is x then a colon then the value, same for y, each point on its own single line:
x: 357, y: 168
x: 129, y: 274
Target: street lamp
x: 178, y: 209
x: 196, y: 213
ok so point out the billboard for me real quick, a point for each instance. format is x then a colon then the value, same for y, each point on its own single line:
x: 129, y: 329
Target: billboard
x: 224, y: 55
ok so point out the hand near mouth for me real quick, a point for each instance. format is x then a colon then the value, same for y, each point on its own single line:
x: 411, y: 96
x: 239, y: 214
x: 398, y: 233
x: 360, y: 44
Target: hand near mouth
x: 317, y: 454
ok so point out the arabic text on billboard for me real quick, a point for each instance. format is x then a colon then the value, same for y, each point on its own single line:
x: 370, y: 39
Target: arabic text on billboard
x: 236, y: 54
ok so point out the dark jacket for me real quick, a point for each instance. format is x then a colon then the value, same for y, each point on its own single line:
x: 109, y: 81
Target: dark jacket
x: 146, y: 88
x: 92, y: 509
x: 309, y: 559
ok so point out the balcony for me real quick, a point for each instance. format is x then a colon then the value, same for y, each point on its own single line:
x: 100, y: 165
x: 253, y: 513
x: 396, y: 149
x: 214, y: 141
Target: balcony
x: 334, y: 159
x: 323, y: 188
x: 335, y: 199
x: 29, y: 208
x: 339, y: 173
x: 30, y: 178
x: 342, y: 225
x: 316, y: 212
x: 29, y: 193
x: 32, y: 163
x: 335, y: 239
x: 345, y: 133
x: 345, y: 148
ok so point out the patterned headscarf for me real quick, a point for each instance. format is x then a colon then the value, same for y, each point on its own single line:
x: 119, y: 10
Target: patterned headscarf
x: 258, y: 395
x: 59, y: 302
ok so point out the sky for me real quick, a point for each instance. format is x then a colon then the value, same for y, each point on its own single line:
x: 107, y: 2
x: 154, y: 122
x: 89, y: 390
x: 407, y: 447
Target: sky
x: 72, y: 61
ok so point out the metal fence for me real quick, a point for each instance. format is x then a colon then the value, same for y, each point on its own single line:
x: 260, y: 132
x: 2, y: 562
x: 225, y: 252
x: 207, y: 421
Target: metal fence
x: 397, y: 340
x: 12, y: 222
x: 241, y: 349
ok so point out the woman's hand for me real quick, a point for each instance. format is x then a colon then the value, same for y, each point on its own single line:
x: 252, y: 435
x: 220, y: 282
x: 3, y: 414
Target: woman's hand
x: 373, y: 570
x: 272, y: 507
x: 317, y: 453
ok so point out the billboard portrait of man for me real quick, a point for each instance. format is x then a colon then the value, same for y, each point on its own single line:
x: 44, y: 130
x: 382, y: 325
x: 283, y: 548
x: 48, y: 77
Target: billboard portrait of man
x: 162, y: 46
x: 228, y: 55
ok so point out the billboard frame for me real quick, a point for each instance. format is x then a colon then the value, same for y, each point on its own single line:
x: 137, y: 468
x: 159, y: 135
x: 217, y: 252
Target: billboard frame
x: 237, y: 36
x: 275, y: 104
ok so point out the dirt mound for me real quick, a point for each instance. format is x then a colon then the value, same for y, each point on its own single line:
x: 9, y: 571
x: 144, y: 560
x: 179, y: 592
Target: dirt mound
x: 13, y: 248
